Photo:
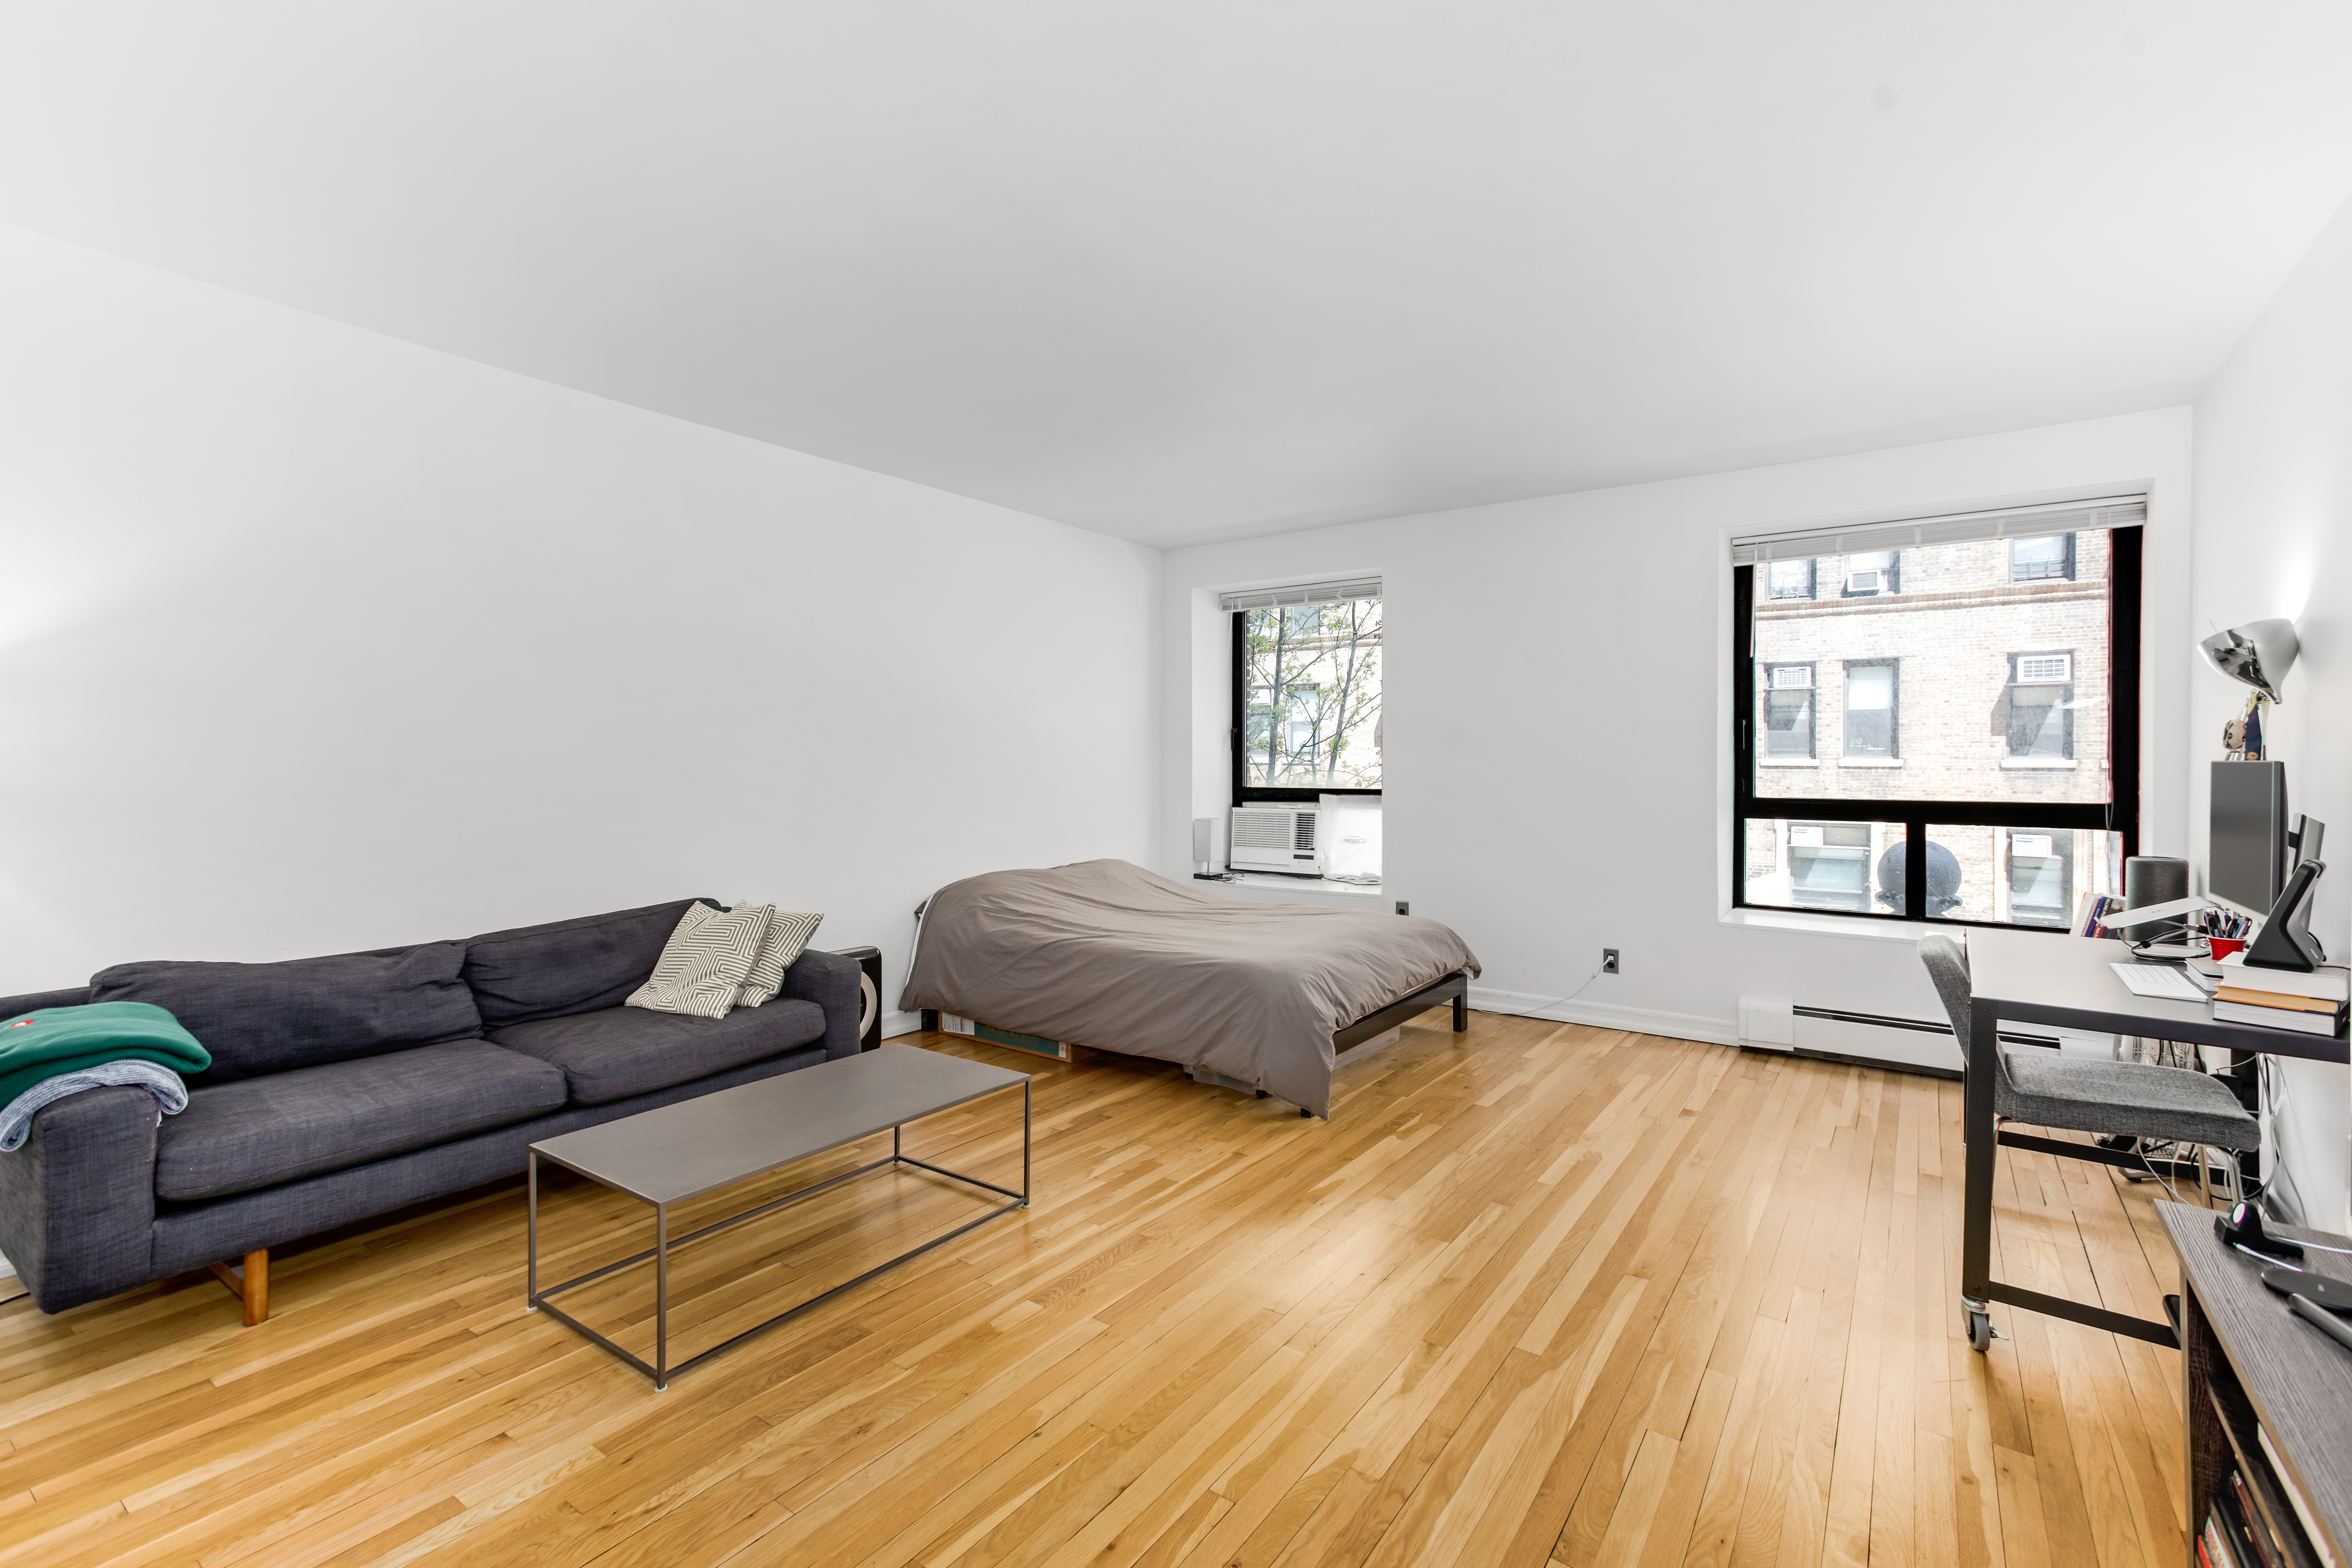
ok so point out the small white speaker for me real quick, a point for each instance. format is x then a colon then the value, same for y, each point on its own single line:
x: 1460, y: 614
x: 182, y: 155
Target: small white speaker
x: 1201, y: 828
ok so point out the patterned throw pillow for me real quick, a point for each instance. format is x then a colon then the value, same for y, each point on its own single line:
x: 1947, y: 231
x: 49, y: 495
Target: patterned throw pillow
x: 707, y: 958
x: 788, y: 938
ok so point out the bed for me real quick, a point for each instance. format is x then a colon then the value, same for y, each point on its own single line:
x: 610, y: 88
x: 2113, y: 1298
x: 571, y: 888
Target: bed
x: 1104, y: 953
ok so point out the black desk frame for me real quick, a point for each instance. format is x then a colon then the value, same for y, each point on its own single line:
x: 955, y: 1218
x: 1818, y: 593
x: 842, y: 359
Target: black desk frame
x: 1980, y: 1129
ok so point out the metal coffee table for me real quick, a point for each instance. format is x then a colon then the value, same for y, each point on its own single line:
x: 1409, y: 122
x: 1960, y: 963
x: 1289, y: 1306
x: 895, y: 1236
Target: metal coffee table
x: 680, y: 1151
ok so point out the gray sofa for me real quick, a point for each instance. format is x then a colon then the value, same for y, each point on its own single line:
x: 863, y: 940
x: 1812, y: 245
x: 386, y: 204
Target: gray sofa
x: 346, y: 1086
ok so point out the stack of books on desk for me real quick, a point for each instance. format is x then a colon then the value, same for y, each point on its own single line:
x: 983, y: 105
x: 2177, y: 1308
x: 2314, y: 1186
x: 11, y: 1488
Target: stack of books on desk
x: 2312, y: 1004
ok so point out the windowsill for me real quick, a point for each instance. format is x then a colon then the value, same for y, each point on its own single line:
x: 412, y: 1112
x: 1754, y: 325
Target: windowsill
x: 1866, y: 928
x: 1787, y: 762
x: 1870, y: 762
x: 2040, y: 765
x: 1300, y: 884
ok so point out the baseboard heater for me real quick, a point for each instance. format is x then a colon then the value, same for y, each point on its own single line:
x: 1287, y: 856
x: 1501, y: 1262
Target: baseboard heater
x: 1884, y: 1040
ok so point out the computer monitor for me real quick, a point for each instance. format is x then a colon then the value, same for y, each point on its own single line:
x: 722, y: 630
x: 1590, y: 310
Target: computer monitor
x: 2245, y: 850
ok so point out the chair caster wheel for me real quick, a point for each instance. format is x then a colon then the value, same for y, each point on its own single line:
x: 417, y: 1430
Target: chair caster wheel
x: 1982, y: 1333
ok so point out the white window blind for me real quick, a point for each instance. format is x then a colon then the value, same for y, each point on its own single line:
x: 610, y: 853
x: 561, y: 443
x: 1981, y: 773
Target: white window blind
x: 1338, y: 591
x: 1957, y: 528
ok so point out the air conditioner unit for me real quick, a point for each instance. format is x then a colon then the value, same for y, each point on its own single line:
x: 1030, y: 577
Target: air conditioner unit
x: 1870, y: 579
x: 1276, y: 838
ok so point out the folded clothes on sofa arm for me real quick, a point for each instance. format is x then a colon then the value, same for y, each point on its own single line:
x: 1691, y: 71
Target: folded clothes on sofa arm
x: 16, y: 1117
x: 55, y: 1051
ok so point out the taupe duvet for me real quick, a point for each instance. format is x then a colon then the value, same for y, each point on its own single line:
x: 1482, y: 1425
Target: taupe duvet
x: 1104, y: 953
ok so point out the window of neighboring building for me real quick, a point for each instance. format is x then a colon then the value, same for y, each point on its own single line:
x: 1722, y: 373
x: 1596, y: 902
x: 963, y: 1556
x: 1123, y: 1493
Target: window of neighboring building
x: 1870, y: 694
x: 1792, y: 579
x: 1868, y: 577
x: 1991, y: 786
x: 2041, y: 874
x: 2042, y: 706
x: 2052, y: 555
x: 1789, y: 712
x: 1829, y: 865
x: 1306, y: 700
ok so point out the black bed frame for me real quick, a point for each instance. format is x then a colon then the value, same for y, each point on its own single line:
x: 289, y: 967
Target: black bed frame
x: 1454, y: 987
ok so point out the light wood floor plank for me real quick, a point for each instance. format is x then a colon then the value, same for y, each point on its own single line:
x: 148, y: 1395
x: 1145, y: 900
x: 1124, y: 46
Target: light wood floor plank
x: 1536, y: 1294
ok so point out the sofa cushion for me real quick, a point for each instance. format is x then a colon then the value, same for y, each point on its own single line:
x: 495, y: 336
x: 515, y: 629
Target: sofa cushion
x: 260, y: 1018
x: 620, y: 1051
x: 579, y: 965
x: 257, y: 1133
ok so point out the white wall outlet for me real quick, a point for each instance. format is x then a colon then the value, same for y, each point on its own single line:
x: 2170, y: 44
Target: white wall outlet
x: 1768, y: 1023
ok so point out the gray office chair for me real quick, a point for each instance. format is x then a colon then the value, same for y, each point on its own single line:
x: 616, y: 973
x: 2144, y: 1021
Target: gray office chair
x: 2074, y: 1094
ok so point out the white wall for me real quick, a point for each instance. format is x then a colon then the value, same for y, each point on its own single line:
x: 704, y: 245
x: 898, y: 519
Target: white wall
x: 314, y: 640
x: 2274, y: 455
x: 1557, y: 773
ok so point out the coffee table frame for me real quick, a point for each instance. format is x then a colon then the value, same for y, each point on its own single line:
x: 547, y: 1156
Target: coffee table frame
x: 660, y: 1368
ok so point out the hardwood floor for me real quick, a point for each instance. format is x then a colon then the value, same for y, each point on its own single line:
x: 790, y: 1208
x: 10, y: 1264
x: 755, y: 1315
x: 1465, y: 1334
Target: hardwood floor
x: 1535, y: 1294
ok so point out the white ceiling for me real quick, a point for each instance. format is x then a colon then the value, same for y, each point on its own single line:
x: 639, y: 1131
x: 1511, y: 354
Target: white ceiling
x: 1201, y: 269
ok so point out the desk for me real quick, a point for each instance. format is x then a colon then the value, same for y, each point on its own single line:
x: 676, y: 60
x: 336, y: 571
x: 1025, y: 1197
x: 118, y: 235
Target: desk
x: 2037, y: 977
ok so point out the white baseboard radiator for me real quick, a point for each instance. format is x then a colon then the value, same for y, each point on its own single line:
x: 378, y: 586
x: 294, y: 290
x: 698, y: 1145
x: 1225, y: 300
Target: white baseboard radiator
x: 1879, y: 1039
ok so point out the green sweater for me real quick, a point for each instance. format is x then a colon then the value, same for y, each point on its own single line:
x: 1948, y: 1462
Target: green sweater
x: 55, y: 1041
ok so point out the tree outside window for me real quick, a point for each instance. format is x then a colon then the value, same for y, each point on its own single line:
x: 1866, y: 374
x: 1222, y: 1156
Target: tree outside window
x: 1313, y: 677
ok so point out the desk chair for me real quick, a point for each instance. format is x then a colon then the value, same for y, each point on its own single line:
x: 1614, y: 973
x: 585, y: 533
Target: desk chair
x: 2074, y: 1094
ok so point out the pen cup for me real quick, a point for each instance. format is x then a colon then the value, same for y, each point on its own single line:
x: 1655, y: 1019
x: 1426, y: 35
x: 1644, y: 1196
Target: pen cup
x: 2223, y: 946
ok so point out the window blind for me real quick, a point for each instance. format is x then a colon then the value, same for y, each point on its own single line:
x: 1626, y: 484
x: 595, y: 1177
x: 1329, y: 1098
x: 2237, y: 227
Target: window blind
x: 1957, y: 528
x: 1338, y: 591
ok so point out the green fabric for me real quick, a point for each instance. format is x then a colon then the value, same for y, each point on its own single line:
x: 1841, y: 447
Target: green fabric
x: 54, y: 1040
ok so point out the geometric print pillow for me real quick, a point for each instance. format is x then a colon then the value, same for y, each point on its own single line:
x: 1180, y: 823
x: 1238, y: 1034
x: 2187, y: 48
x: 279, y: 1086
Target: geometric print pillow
x: 706, y: 959
x: 788, y: 938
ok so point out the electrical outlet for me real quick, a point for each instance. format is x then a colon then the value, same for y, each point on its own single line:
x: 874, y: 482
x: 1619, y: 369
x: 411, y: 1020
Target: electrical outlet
x: 1404, y: 908
x: 1608, y: 961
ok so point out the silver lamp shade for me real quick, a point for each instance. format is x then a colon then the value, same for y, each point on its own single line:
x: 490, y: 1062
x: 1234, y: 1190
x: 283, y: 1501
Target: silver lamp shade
x: 2259, y: 653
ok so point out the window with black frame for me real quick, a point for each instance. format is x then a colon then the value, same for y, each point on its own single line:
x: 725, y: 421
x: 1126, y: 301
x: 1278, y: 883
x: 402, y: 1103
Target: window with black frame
x: 1307, y: 691
x: 1964, y: 686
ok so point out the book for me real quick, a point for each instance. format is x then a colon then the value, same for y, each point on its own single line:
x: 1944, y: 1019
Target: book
x: 2284, y: 1002
x: 2294, y: 1497
x: 2266, y: 1547
x: 2332, y: 985
x: 2240, y: 1547
x: 2215, y: 1541
x: 2326, y: 1024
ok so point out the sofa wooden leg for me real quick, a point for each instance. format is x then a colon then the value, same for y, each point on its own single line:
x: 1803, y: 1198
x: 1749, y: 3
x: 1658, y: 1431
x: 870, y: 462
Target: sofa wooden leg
x: 253, y: 1288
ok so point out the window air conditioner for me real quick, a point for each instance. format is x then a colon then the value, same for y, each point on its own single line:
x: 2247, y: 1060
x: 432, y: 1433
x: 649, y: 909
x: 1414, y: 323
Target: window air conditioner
x: 1870, y: 579
x: 1276, y: 838
x: 2044, y: 666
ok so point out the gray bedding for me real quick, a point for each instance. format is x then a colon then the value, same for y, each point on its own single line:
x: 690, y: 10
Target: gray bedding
x: 1104, y: 953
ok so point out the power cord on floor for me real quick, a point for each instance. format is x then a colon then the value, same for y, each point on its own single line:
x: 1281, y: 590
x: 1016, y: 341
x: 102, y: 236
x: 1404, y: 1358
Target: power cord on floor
x: 1556, y: 1000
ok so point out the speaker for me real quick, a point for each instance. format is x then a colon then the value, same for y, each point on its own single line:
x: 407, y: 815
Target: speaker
x: 2156, y: 879
x: 869, y: 987
x: 1203, y: 826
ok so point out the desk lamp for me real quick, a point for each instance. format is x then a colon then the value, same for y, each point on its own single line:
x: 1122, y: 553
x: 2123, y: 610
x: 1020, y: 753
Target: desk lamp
x: 2259, y: 653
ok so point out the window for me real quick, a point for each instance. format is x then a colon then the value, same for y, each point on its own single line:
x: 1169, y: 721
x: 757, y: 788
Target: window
x: 1792, y: 579
x: 1789, y: 712
x: 2040, y: 875
x: 2040, y: 721
x: 1307, y: 696
x: 2038, y: 560
x: 1890, y: 765
x: 1871, y: 576
x: 1870, y: 697
x: 1829, y: 865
